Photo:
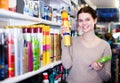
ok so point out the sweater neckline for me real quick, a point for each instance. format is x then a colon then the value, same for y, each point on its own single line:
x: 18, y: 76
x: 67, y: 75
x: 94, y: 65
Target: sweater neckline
x: 97, y: 45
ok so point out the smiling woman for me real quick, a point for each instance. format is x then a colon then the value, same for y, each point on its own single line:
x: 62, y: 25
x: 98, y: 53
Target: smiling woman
x: 85, y: 50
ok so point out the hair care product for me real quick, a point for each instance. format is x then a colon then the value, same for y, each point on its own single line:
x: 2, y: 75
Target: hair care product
x: 66, y: 35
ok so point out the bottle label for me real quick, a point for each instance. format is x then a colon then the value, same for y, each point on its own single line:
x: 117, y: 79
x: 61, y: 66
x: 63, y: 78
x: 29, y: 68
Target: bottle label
x: 66, y: 39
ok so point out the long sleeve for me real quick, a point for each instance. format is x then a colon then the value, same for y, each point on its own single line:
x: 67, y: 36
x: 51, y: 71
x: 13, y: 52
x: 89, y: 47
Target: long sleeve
x: 66, y: 56
x: 105, y: 73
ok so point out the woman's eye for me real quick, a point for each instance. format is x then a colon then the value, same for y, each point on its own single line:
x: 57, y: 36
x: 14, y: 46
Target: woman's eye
x: 79, y: 20
x: 87, y: 19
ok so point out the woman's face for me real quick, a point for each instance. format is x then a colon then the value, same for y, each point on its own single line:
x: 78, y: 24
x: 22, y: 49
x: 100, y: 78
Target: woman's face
x: 86, y: 22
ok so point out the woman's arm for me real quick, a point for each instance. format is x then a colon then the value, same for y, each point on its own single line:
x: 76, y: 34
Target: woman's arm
x: 105, y: 72
x: 66, y: 56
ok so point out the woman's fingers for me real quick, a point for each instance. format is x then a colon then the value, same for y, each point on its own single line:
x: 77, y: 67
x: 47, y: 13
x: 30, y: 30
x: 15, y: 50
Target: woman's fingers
x: 63, y: 30
x: 97, y: 66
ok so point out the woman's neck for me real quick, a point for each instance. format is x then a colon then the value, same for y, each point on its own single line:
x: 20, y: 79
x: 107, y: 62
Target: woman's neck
x: 90, y: 36
x: 90, y: 40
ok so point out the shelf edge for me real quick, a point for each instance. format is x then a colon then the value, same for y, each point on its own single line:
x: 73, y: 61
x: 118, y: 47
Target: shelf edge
x: 30, y: 74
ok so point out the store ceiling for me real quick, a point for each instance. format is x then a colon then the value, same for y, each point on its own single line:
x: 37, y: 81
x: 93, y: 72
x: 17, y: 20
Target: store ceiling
x: 104, y: 3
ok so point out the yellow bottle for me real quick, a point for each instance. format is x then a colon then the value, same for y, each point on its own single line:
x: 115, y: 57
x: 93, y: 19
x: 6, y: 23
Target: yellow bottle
x: 66, y: 35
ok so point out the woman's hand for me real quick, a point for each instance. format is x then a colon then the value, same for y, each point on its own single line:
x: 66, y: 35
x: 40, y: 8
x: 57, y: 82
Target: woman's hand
x: 63, y: 30
x: 96, y: 66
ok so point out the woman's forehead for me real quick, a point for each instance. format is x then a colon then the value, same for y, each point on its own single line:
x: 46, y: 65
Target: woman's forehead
x: 84, y: 15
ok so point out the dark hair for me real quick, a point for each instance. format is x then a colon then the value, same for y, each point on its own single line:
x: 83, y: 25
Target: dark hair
x: 87, y: 9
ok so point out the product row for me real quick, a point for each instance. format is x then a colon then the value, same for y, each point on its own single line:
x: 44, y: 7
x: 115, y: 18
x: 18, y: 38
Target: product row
x: 36, y: 8
x: 27, y: 48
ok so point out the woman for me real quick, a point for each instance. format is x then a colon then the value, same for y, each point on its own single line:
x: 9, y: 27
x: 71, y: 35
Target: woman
x: 85, y: 50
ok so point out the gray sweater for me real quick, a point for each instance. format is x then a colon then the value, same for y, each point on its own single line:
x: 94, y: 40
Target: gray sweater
x: 78, y: 58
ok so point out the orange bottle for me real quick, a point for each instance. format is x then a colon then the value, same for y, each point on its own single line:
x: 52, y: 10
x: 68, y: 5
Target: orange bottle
x: 4, y: 4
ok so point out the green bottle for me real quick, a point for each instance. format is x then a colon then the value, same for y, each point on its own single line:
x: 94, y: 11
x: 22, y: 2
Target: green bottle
x: 104, y: 59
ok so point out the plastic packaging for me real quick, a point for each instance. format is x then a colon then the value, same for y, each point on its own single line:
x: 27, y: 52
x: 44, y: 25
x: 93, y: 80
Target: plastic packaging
x: 102, y: 60
x: 66, y: 35
x: 4, y: 4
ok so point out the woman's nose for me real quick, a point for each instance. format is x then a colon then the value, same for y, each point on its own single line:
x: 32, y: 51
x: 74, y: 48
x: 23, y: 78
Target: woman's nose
x: 83, y: 22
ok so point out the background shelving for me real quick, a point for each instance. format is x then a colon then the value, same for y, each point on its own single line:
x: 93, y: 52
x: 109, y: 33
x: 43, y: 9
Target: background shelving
x: 19, y: 19
x: 16, y: 19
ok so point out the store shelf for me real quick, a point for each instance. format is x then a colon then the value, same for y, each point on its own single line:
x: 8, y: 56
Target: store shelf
x: 21, y: 19
x: 14, y: 18
x: 14, y: 15
x: 30, y: 74
x: 50, y: 22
